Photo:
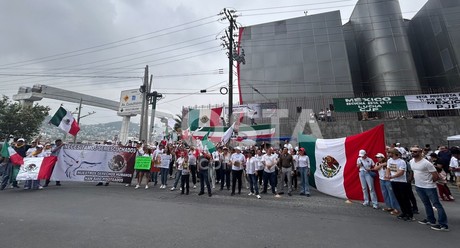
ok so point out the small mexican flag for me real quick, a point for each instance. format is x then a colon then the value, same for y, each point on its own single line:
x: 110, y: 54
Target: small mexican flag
x: 333, y: 162
x: 65, y: 121
x: 9, y: 152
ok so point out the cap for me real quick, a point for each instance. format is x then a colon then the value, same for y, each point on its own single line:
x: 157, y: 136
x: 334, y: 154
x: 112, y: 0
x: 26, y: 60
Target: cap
x: 21, y: 139
x: 398, y: 144
x: 109, y: 141
x: 362, y: 153
x: 39, y: 146
x: 237, y: 148
x: 302, y: 149
x: 379, y: 155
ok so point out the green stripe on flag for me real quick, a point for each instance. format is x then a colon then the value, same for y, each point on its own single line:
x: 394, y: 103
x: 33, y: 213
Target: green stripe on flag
x: 5, y: 152
x: 57, y: 118
x: 309, y: 143
x: 194, y: 119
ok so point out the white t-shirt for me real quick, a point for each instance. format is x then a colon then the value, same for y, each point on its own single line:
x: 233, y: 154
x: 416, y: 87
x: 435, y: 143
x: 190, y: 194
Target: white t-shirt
x: 179, y: 163
x: 270, y: 160
x: 366, y: 163
x: 422, y: 173
x: 397, y: 164
x: 259, y: 166
x: 237, y: 161
x: 454, y: 164
x: 304, y: 161
x: 251, y: 164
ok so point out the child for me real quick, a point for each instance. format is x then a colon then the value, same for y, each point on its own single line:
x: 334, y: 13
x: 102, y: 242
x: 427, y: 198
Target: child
x: 444, y: 192
x: 185, y: 178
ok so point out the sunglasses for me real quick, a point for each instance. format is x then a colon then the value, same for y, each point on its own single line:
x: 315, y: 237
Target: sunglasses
x: 415, y: 151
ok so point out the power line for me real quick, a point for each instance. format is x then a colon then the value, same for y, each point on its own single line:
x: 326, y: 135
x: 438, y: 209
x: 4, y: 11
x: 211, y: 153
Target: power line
x: 115, y: 42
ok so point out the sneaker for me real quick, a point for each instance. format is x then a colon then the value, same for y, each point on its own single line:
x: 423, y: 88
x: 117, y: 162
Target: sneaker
x: 194, y: 186
x: 40, y: 187
x: 250, y: 193
x: 201, y: 193
x: 146, y: 187
x: 426, y: 222
x: 99, y: 184
x: 302, y: 193
x: 173, y: 188
x: 366, y: 204
x: 401, y: 216
x: 440, y: 228
x: 26, y: 188
x: 106, y: 184
x: 137, y: 186
x: 180, y: 188
x: 375, y: 207
x: 258, y: 196
x: 308, y: 195
x: 409, y: 218
x: 451, y: 198
x: 46, y: 185
x: 277, y: 196
x: 394, y: 212
x: 127, y: 185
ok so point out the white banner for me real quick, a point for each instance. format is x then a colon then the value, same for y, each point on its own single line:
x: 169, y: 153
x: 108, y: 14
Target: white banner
x: 443, y: 101
x: 78, y: 162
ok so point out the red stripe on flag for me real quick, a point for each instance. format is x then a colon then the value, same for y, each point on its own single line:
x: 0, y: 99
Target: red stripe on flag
x: 215, y: 117
x: 373, y: 141
x: 46, y: 168
x: 74, y: 128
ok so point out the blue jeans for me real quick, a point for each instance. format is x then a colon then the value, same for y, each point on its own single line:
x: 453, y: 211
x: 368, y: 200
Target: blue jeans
x: 154, y: 177
x: 178, y: 177
x: 304, y: 187
x: 253, y: 185
x: 430, y: 198
x: 367, y: 182
x: 164, y: 175
x: 269, y: 177
x: 204, y: 178
x: 389, y: 195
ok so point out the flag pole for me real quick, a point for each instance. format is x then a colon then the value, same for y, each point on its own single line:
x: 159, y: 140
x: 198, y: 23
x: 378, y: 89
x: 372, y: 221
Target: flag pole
x: 78, y: 120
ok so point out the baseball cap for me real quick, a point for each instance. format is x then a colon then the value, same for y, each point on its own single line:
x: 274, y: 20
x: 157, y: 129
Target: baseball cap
x: 362, y: 153
x: 21, y: 139
x: 379, y: 155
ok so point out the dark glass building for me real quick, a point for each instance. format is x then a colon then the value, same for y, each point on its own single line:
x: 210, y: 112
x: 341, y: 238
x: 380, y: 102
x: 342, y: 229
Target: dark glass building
x: 299, y: 57
x: 435, y: 38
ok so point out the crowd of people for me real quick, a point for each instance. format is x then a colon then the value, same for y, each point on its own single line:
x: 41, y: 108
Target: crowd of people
x: 282, y: 171
x: 428, y: 170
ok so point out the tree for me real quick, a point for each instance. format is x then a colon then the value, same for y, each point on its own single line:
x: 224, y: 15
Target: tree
x: 19, y: 121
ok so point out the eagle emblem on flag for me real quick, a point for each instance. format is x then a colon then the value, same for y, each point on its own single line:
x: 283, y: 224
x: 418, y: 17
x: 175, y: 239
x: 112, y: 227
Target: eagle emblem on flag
x: 67, y: 121
x: 204, y: 119
x: 329, y: 166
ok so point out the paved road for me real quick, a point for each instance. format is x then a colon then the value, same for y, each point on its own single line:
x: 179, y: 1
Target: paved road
x: 83, y: 215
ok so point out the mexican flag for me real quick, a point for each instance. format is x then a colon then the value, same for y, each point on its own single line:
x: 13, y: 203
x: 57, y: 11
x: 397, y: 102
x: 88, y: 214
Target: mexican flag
x: 65, y: 121
x: 9, y: 152
x: 36, y: 168
x: 204, y: 118
x: 333, y: 162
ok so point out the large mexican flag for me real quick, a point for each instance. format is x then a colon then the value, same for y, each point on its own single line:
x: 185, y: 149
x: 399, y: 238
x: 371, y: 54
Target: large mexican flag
x: 333, y: 162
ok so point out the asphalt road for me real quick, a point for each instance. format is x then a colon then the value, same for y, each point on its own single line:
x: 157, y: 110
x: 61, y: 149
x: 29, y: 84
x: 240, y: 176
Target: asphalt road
x: 83, y: 215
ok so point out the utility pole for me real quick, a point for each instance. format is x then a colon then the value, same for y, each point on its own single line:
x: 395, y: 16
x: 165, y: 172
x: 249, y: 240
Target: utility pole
x: 153, y: 97
x: 230, y: 44
x: 144, y: 113
x: 79, y: 117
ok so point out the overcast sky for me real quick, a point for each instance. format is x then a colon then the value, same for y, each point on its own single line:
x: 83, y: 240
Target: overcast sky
x: 95, y: 39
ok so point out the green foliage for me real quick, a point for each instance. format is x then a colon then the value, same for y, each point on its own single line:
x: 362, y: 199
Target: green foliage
x: 20, y: 121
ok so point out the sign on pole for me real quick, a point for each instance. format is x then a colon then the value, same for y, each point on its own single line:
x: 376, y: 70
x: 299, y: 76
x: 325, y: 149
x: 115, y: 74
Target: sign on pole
x: 130, y: 102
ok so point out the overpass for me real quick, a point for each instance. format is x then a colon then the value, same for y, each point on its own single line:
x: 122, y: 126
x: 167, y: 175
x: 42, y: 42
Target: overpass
x: 27, y: 96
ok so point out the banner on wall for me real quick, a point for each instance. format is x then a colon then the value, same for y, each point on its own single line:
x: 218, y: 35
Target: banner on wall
x: 94, y: 163
x: 442, y: 101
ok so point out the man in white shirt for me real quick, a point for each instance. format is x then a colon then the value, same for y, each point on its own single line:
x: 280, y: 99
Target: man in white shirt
x: 269, y: 161
x: 425, y: 177
x: 454, y: 165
